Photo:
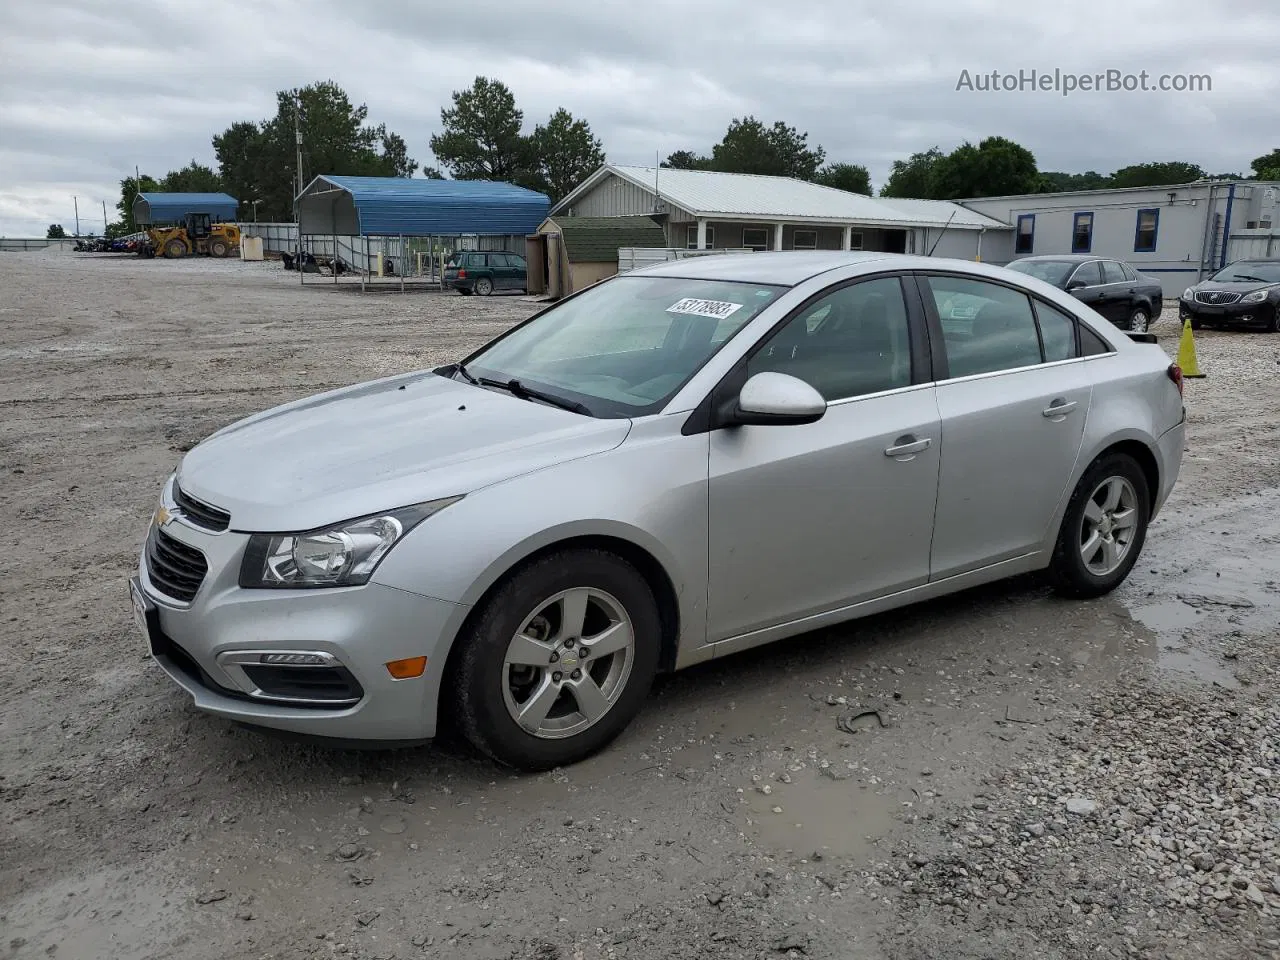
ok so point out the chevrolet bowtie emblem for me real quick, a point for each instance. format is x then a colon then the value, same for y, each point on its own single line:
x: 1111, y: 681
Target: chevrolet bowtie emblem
x: 163, y: 516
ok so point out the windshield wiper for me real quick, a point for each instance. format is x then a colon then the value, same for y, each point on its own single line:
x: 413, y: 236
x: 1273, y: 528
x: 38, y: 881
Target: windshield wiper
x: 518, y: 389
x: 1247, y: 279
x: 465, y: 376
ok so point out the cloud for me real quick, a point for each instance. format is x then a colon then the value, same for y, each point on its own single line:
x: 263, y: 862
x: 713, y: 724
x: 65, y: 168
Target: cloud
x: 89, y: 90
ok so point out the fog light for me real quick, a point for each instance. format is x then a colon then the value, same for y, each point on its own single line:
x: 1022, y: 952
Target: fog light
x: 407, y: 669
x: 295, y: 659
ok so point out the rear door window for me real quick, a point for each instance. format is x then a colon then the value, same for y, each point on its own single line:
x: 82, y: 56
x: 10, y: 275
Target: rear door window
x: 1111, y: 272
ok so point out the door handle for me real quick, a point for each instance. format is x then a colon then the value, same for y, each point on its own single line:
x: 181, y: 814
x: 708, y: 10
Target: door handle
x: 906, y: 447
x: 1059, y: 408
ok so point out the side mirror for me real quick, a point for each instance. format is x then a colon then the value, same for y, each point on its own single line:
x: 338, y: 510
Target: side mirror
x: 776, y: 399
x: 1075, y: 285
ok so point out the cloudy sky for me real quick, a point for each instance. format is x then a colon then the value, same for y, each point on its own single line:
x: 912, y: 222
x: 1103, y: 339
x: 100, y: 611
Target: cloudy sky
x: 89, y: 89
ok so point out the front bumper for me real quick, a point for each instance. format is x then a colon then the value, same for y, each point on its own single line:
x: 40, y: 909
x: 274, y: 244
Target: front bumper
x: 212, y: 647
x: 1231, y: 314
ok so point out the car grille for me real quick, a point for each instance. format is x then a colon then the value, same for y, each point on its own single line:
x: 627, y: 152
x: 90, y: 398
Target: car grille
x: 176, y: 570
x: 1216, y: 297
x: 201, y: 514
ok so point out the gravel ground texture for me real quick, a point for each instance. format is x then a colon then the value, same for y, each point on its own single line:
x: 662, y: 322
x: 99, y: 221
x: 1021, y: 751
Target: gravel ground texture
x: 993, y: 776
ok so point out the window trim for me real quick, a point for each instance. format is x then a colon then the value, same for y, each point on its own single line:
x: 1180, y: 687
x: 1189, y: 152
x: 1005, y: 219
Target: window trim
x: 1031, y: 237
x: 795, y: 239
x: 1155, y: 230
x: 1087, y: 247
x: 691, y: 236
x: 764, y: 234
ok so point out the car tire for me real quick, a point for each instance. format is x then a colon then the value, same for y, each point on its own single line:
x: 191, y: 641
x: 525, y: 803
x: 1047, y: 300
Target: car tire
x: 1139, y: 320
x: 175, y: 248
x: 1274, y: 325
x: 483, y: 287
x: 528, y: 612
x: 1113, y: 488
x: 1197, y: 324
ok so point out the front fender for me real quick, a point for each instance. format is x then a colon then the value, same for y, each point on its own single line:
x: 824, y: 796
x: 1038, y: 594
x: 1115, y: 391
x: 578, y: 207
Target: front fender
x: 649, y: 492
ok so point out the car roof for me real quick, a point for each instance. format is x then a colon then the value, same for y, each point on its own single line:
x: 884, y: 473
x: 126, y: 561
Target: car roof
x: 785, y: 268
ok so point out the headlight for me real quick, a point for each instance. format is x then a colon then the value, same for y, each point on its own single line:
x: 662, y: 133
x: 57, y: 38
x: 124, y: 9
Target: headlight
x: 1256, y: 297
x: 1189, y: 293
x: 344, y: 555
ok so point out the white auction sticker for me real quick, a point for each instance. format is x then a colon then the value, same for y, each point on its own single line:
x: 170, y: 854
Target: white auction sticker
x: 719, y: 309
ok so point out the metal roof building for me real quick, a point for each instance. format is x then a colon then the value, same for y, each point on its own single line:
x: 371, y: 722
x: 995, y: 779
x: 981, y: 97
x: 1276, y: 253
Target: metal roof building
x: 705, y: 209
x: 151, y: 208
x: 418, y: 207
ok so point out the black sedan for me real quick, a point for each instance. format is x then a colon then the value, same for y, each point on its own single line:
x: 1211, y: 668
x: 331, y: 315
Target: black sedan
x: 1129, y: 299
x: 1243, y: 294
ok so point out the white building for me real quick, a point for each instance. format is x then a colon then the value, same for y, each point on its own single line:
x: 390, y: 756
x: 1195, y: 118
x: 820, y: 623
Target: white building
x: 702, y: 210
x: 1179, y: 233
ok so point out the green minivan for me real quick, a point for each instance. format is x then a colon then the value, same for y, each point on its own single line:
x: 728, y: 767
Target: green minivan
x: 471, y: 271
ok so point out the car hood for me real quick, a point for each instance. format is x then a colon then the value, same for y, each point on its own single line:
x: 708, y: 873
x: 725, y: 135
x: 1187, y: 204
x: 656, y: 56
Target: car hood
x: 1232, y: 286
x: 380, y: 445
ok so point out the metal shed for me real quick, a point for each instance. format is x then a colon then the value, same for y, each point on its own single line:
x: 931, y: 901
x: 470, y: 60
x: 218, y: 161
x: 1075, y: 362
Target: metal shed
x: 153, y: 208
x: 372, y: 223
x: 570, y: 253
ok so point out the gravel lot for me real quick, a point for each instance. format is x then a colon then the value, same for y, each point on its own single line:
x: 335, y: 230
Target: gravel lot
x: 1051, y: 779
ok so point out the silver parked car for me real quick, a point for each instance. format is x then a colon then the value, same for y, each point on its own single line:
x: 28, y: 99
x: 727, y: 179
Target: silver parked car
x: 669, y: 466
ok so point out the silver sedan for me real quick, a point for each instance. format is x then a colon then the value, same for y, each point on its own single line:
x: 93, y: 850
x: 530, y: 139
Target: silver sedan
x: 672, y: 465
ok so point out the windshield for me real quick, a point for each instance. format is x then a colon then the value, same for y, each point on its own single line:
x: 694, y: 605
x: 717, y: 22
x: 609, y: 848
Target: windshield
x: 623, y: 348
x: 1050, y: 271
x: 1250, y: 271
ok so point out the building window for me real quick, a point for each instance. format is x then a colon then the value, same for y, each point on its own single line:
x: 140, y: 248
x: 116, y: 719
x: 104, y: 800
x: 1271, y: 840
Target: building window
x: 804, y: 240
x: 1146, y: 230
x: 1026, y: 239
x: 1082, y: 233
x: 691, y: 236
x: 757, y: 238
x: 855, y: 240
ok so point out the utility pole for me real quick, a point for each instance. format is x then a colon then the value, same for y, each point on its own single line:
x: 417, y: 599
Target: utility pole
x: 104, y: 218
x: 76, y: 201
x: 297, y: 135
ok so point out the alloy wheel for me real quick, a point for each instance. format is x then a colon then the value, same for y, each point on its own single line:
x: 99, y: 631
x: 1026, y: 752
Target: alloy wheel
x: 568, y: 664
x: 1139, y: 322
x: 1108, y: 526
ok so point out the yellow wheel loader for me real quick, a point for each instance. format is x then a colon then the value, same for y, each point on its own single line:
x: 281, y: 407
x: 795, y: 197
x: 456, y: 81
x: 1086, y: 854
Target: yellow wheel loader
x: 196, y: 235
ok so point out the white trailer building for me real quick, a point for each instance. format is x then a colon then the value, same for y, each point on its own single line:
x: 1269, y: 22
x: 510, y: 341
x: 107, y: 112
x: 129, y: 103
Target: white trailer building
x: 1179, y: 233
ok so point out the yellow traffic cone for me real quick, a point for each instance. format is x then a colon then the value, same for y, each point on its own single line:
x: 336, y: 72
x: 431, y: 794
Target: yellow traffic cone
x: 1187, y: 353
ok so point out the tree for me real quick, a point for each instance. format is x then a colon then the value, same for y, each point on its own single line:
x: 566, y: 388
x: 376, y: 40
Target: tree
x: 566, y: 152
x: 55, y: 232
x: 193, y: 178
x: 1156, y: 174
x: 238, y: 150
x: 995, y: 167
x: 1267, y: 166
x: 914, y: 177
x: 845, y: 176
x: 780, y: 150
x: 1055, y: 182
x: 257, y: 161
x: 481, y: 139
x: 686, y: 160
x: 130, y: 187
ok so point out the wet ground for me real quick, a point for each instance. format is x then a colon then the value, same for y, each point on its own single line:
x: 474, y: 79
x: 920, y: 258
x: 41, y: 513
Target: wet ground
x: 814, y: 798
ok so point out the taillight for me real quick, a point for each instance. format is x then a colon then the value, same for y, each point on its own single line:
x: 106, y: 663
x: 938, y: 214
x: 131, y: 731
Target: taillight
x: 1175, y: 374
x: 462, y: 275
